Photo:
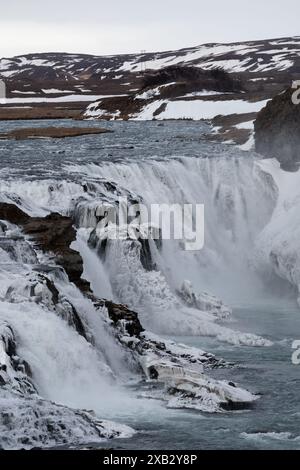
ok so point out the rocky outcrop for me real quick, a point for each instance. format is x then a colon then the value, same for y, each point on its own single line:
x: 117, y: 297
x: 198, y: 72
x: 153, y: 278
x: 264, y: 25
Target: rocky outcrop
x: 13, y: 214
x: 52, y: 234
x: 124, y: 318
x: 277, y: 131
x: 180, y: 369
x: 38, y: 288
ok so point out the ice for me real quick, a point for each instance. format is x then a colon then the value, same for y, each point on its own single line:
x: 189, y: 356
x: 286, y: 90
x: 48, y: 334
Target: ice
x: 277, y: 250
x: 71, y: 370
x: 27, y: 422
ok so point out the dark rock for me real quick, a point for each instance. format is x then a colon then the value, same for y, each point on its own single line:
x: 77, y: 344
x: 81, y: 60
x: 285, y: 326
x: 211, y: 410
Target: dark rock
x: 52, y: 234
x: 3, y: 227
x: 277, y: 131
x: 153, y: 373
x: 76, y: 321
x: 237, y: 406
x: 13, y: 214
x: 121, y: 315
x: 145, y: 256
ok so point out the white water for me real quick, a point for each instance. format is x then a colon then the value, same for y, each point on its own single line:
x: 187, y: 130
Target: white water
x: 239, y: 201
x: 232, y: 191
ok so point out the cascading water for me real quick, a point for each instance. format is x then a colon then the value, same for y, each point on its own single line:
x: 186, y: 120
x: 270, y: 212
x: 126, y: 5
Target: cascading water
x: 161, y: 281
x: 232, y: 191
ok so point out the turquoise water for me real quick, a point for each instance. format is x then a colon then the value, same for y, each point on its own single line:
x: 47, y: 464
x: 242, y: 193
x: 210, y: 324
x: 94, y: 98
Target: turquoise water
x: 274, y: 421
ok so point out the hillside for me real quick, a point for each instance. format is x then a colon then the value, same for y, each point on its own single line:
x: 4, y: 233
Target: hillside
x: 44, y: 74
x: 162, y: 85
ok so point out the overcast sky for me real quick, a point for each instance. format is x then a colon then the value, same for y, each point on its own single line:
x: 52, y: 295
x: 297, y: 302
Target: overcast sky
x: 121, y: 26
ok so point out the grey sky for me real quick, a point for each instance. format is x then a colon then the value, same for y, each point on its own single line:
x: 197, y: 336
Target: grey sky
x: 121, y: 26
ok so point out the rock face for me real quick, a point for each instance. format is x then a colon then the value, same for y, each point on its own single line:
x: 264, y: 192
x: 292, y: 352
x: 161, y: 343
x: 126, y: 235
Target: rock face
x: 53, y: 233
x: 124, y: 318
x: 13, y: 214
x: 277, y: 131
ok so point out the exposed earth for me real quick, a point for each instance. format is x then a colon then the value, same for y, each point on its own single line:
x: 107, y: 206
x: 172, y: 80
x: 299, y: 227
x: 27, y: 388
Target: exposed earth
x: 50, y: 132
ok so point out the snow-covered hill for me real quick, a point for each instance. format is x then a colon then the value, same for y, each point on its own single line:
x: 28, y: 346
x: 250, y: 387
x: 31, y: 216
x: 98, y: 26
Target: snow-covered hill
x: 113, y: 87
x: 254, y: 56
x: 121, y: 72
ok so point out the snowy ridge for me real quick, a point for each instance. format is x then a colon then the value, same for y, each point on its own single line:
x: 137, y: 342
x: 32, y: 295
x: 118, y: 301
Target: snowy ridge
x: 253, y: 56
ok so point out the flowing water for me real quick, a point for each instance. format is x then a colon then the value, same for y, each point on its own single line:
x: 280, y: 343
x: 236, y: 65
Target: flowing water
x: 159, y: 163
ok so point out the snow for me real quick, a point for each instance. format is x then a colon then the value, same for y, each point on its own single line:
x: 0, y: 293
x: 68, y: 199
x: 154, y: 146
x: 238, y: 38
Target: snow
x: 198, y: 109
x: 258, y: 79
x: 239, y: 57
x: 204, y: 93
x: 94, y: 110
x: 151, y: 93
x: 55, y: 90
x: 194, y: 390
x: 230, y: 65
x: 27, y: 422
x: 246, y: 125
x: 211, y: 56
x: 148, y: 111
x: 23, y: 92
x: 204, y: 301
x: 60, y: 99
x: 185, y: 56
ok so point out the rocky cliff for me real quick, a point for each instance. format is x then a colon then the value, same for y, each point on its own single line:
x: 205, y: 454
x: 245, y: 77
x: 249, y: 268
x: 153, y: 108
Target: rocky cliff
x: 277, y: 130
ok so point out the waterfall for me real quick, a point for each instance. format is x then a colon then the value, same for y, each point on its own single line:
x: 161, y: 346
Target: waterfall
x: 238, y: 200
x: 161, y: 281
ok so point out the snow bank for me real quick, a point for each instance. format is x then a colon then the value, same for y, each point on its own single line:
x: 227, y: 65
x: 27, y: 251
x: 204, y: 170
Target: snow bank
x: 199, y: 109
